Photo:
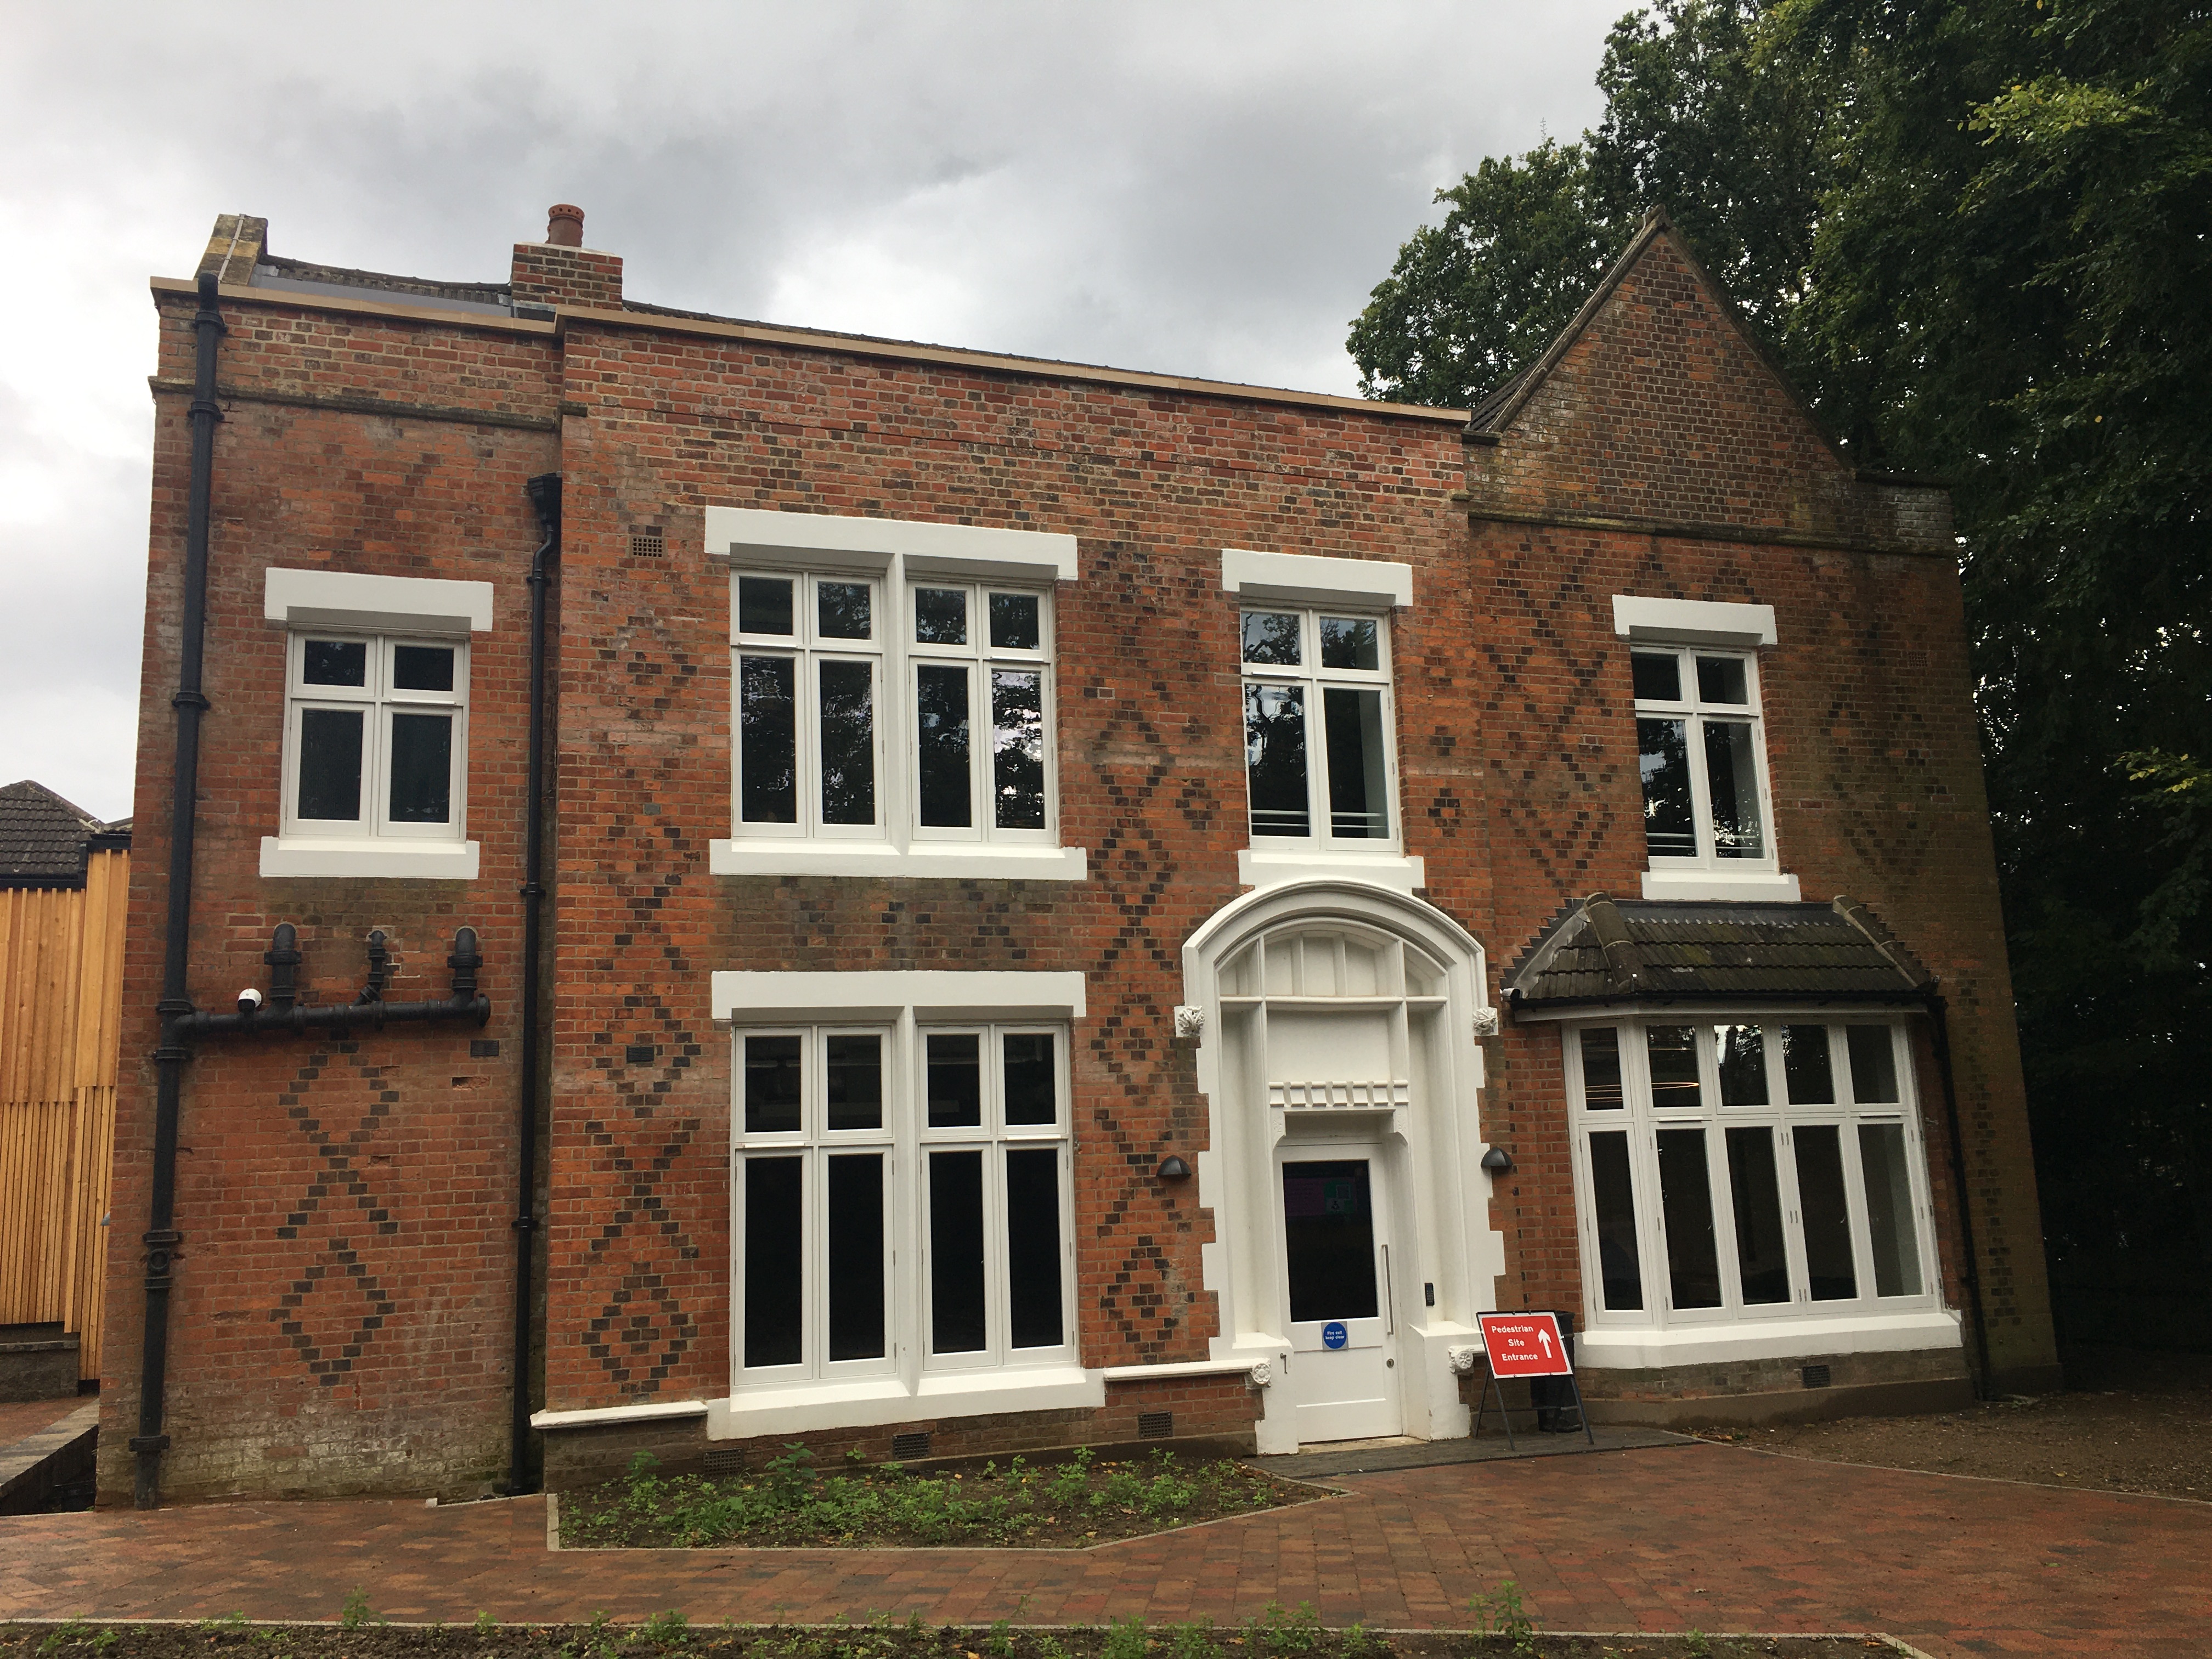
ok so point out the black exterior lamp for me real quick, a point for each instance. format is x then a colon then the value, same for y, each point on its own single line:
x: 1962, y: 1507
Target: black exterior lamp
x: 1172, y: 1167
x: 1498, y: 1160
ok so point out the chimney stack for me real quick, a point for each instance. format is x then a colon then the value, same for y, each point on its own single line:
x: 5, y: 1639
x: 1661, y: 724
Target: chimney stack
x: 560, y: 272
x: 564, y: 225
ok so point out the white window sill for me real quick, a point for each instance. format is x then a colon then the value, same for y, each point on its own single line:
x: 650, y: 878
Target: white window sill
x: 1743, y: 886
x: 408, y: 860
x: 927, y: 860
x: 1613, y: 1347
x: 866, y: 1402
x: 649, y: 1411
x: 1267, y: 868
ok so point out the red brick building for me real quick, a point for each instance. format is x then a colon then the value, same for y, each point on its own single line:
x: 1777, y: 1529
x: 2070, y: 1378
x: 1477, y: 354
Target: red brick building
x: 1074, y: 905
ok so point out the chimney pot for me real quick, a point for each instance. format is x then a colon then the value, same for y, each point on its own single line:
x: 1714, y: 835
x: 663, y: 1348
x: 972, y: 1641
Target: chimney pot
x: 564, y: 225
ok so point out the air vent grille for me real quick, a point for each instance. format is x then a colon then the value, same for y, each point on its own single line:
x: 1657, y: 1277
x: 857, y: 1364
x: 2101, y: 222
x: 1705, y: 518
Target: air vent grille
x: 1155, y: 1425
x: 905, y: 1447
x: 647, y: 544
x: 729, y: 1461
x: 1816, y: 1377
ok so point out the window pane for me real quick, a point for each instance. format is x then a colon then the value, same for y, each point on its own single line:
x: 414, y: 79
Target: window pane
x: 1017, y: 748
x: 956, y: 1080
x: 843, y: 611
x: 1358, y: 805
x: 956, y: 1252
x: 421, y: 781
x: 330, y: 763
x: 847, y: 693
x: 773, y: 1223
x: 855, y: 1256
x: 1685, y: 1203
x: 940, y: 616
x: 941, y: 710
x: 1602, y: 1068
x: 1874, y: 1064
x: 767, y: 740
x: 1674, y: 1052
x: 1663, y: 759
x: 422, y: 667
x: 1743, y: 1057
x: 853, y: 1082
x: 1275, y: 759
x: 1350, y: 642
x: 771, y: 1084
x: 1612, y: 1197
x: 1272, y: 637
x: 1032, y: 1079
x: 1827, y: 1220
x: 1658, y: 676
x: 1755, y: 1196
x: 1723, y: 679
x: 1017, y: 622
x: 1889, y: 1209
x: 764, y: 605
x: 1805, y: 1070
x: 1328, y: 1238
x: 1732, y: 776
x: 1033, y: 1252
x: 335, y: 662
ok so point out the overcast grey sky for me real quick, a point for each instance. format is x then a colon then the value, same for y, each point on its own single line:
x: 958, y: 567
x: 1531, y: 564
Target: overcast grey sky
x: 1201, y: 188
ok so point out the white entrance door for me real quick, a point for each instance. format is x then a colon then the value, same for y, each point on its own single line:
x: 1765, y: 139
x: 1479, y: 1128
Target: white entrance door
x: 1343, y: 1373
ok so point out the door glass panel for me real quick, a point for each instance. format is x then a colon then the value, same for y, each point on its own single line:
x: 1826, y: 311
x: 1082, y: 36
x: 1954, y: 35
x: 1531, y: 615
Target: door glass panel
x: 1613, y: 1196
x: 941, y: 732
x: 1602, y: 1068
x: 1741, y: 1055
x: 1874, y: 1064
x: 1272, y: 637
x: 330, y: 763
x: 773, y: 1231
x: 1663, y: 760
x: 940, y: 616
x: 956, y: 1252
x: 422, y: 777
x: 853, y: 1082
x: 1033, y: 1252
x: 956, y: 1080
x: 1275, y: 759
x: 1805, y: 1069
x: 334, y: 662
x: 1358, y: 807
x: 1350, y: 642
x: 1674, y: 1052
x: 1032, y: 1077
x: 420, y: 668
x: 1732, y: 777
x: 847, y: 693
x: 771, y: 1084
x: 1016, y: 621
x: 856, y: 1256
x: 767, y: 739
x: 1017, y: 748
x: 1656, y: 676
x: 843, y: 611
x: 1889, y: 1208
x: 1755, y: 1198
x: 764, y: 605
x: 1328, y: 1235
x: 1685, y: 1203
x: 1829, y: 1271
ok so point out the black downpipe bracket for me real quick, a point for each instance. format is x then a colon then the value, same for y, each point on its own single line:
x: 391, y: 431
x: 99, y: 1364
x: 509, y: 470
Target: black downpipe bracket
x: 545, y: 498
x: 160, y: 1238
x: 1938, y: 1012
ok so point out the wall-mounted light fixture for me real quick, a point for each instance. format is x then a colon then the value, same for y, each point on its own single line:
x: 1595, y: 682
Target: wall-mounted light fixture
x: 1498, y: 1160
x: 1172, y: 1167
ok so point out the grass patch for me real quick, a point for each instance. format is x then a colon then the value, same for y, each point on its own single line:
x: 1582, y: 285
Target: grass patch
x: 1078, y: 1502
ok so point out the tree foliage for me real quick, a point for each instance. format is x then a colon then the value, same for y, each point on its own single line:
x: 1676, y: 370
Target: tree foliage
x: 1976, y: 231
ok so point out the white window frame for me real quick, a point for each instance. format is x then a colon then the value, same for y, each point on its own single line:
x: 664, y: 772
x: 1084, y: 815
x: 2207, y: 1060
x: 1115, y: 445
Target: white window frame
x: 898, y: 557
x: 382, y: 612
x: 809, y: 652
x: 1642, y: 1121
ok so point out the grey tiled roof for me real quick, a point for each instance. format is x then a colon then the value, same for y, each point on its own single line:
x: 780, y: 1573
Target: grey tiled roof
x: 1599, y: 950
x: 43, y: 838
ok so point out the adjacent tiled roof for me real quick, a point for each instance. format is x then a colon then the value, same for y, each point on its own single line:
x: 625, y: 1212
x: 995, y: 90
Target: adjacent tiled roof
x: 43, y: 838
x: 1599, y: 950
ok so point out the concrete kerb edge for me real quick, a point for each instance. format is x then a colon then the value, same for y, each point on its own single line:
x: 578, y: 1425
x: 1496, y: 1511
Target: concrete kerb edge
x: 1986, y: 1479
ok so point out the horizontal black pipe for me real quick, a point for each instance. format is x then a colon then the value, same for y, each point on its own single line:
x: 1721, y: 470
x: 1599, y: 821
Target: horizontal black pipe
x: 475, y: 1009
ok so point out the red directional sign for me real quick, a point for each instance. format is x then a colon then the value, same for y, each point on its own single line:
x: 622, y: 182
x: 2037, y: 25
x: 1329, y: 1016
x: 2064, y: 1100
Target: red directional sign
x: 1523, y: 1344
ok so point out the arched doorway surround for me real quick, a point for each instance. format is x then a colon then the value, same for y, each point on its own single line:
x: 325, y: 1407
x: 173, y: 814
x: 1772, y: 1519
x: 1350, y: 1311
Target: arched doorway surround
x: 1351, y: 1247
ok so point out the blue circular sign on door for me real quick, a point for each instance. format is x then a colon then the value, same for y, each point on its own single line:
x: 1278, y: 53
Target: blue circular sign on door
x: 1333, y: 1335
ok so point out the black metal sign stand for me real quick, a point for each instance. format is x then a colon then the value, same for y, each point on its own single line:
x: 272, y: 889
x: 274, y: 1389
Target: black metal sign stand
x: 1505, y: 1417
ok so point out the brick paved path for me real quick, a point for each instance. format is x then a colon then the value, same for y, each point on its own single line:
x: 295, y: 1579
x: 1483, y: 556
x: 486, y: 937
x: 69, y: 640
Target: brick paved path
x: 1715, y: 1537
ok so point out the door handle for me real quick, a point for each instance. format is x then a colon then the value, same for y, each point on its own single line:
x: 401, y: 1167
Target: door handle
x: 1389, y: 1317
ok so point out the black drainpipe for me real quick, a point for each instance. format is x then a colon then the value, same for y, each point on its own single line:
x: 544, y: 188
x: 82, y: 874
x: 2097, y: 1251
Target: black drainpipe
x: 1939, y: 1016
x: 546, y: 496
x: 160, y: 1238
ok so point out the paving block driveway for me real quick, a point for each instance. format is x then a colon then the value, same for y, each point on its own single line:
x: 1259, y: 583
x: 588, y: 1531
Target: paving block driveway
x: 1715, y: 1537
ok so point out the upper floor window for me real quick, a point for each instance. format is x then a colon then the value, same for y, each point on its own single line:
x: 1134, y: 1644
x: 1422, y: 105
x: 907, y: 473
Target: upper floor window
x: 1318, y: 755
x: 374, y: 744
x: 1702, y: 753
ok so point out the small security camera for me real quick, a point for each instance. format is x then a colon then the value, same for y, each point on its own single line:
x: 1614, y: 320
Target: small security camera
x: 248, y: 1000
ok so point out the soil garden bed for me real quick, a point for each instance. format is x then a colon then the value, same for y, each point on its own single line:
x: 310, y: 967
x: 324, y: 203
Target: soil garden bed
x: 1068, y: 1505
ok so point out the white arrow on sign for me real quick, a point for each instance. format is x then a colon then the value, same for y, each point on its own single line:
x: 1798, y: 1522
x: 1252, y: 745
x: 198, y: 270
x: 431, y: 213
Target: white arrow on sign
x: 1545, y: 1337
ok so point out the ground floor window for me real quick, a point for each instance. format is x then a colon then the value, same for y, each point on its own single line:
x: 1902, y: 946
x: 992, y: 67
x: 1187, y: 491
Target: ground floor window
x: 1735, y: 1170
x: 900, y: 1187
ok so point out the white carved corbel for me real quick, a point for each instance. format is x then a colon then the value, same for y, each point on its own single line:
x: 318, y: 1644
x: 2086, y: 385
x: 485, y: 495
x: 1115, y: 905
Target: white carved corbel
x: 1486, y: 1023
x: 1190, y: 1022
x: 1263, y: 1371
x: 1463, y: 1359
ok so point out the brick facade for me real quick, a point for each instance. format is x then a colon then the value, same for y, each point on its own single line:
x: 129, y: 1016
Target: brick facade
x: 346, y: 1290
